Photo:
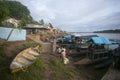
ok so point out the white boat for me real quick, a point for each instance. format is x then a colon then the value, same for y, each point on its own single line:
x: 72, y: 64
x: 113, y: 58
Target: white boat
x: 24, y: 59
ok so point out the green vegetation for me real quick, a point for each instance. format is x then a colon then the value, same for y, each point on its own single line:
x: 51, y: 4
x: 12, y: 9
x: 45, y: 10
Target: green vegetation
x: 46, y: 67
x: 29, y: 44
x: 41, y: 22
x: 108, y: 31
x: 61, y: 72
x: 1, y: 53
x: 33, y: 72
x: 51, y: 25
x: 4, y: 11
x: 25, y: 21
x: 1, y: 49
x: 42, y: 69
x: 15, y: 9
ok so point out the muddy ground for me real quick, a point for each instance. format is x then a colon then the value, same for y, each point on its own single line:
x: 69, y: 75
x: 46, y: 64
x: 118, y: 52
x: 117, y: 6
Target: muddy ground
x: 11, y: 49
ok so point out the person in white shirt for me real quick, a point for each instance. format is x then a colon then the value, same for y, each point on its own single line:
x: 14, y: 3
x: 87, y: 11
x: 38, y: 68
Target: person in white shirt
x: 63, y: 55
x: 59, y: 50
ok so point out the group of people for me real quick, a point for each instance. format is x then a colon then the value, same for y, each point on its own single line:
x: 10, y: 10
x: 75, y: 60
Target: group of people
x: 62, y: 55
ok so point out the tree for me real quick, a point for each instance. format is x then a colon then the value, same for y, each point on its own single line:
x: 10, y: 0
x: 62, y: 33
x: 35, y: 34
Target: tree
x: 4, y: 11
x: 17, y: 10
x: 41, y: 22
x: 25, y: 21
x: 51, y: 25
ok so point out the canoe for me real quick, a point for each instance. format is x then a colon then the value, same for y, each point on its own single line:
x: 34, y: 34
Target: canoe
x: 24, y: 59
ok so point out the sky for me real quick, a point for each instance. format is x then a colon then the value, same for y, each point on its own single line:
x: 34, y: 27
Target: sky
x: 76, y: 15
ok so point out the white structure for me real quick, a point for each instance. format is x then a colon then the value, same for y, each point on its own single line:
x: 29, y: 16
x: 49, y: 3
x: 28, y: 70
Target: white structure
x: 12, y: 21
x: 34, y: 26
x: 12, y: 34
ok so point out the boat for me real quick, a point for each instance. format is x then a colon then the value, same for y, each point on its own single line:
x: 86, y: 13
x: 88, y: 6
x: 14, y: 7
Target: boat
x: 24, y: 59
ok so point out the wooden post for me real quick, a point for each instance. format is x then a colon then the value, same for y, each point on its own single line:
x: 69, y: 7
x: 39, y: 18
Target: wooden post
x: 54, y: 46
x: 10, y: 34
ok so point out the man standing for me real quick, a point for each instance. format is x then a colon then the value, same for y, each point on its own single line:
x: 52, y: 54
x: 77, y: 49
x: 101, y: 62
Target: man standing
x: 64, y: 58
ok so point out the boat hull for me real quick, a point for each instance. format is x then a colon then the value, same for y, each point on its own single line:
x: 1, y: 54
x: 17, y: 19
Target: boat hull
x: 24, y: 59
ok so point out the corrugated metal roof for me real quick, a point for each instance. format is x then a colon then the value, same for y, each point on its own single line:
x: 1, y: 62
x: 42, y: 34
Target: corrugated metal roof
x: 34, y: 26
x: 100, y: 40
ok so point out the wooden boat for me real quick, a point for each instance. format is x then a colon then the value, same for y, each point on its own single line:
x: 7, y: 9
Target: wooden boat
x: 24, y: 59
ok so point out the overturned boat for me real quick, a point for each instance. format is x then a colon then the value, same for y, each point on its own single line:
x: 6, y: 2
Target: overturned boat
x: 24, y: 59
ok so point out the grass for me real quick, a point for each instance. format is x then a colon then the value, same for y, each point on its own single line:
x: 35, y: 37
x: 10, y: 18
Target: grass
x: 62, y: 72
x: 39, y: 71
x: 33, y: 72
x: 1, y: 49
x: 1, y: 53
x: 31, y: 44
x: 43, y: 69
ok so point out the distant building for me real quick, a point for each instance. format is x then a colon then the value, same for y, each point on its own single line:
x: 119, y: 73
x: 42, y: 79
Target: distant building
x: 36, y: 29
x: 47, y: 25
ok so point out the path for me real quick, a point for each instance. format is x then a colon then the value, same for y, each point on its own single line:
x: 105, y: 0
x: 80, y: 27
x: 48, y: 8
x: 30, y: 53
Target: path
x: 46, y: 47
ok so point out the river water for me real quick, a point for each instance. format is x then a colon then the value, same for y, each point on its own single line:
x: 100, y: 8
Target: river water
x: 107, y: 35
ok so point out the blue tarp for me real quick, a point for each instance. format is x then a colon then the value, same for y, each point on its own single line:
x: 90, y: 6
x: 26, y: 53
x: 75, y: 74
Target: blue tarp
x: 68, y: 37
x: 100, y: 40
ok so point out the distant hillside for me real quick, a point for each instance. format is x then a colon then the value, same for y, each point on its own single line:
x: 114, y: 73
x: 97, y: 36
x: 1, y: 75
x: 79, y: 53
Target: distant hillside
x: 16, y: 10
x: 108, y: 31
x: 13, y: 9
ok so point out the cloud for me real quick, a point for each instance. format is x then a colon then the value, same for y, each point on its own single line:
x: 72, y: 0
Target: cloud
x: 76, y: 15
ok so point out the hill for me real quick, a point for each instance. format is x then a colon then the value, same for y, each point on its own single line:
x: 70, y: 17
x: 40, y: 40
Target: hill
x: 13, y: 9
x: 108, y: 31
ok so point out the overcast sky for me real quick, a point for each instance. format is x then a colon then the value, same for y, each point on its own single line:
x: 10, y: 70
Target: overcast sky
x: 77, y: 15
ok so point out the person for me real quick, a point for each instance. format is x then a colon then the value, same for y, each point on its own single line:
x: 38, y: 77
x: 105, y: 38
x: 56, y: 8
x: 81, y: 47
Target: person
x: 54, y: 46
x: 91, y: 51
x: 59, y: 50
x: 63, y: 55
x: 116, y: 58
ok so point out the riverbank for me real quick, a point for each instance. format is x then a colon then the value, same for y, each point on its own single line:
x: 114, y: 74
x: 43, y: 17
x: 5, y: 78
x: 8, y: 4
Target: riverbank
x: 48, y: 66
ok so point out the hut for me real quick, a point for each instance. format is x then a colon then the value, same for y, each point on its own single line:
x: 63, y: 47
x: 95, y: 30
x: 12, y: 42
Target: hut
x: 38, y: 32
x: 35, y: 29
x: 97, y: 49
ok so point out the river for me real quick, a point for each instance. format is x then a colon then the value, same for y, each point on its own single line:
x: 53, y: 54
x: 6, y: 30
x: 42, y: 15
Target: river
x: 107, y: 35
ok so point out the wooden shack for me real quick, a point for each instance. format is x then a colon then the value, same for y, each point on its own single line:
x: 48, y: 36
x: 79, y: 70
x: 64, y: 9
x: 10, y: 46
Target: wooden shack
x: 36, y: 29
x: 97, y: 51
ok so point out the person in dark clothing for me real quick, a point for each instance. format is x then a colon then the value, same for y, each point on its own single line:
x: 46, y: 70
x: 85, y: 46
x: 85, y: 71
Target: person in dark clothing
x: 91, y: 50
x: 116, y: 58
